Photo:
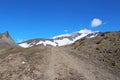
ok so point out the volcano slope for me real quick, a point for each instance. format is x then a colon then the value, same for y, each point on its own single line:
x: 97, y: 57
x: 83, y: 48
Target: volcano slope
x: 49, y: 63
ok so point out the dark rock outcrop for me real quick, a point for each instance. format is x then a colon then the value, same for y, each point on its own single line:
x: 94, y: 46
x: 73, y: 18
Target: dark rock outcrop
x: 6, y: 40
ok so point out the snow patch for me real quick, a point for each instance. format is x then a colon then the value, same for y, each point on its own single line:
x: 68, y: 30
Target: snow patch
x: 93, y: 36
x: 79, y: 37
x: 47, y: 43
x: 63, y: 42
x: 63, y: 35
x: 24, y: 45
x: 85, y: 31
x: 51, y: 43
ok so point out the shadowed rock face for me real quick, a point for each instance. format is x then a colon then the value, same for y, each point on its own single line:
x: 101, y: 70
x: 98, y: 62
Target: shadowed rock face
x: 6, y: 40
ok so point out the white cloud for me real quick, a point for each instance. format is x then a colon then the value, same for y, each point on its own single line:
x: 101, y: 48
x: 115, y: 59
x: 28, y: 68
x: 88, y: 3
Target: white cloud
x: 19, y: 40
x: 65, y: 30
x: 96, y: 22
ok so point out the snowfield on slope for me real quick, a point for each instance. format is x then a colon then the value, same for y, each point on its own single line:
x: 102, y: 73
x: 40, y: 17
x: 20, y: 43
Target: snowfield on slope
x: 61, y: 40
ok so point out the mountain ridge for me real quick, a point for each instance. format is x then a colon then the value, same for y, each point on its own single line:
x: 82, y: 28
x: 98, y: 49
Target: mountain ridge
x: 60, y: 40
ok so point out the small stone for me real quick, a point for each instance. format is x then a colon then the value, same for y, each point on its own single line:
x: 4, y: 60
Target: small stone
x: 23, y: 62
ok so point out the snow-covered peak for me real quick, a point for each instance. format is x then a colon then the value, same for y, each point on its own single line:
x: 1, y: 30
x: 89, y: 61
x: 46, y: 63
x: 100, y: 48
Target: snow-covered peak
x: 61, y: 35
x: 60, y: 40
x: 24, y: 45
x: 85, y: 31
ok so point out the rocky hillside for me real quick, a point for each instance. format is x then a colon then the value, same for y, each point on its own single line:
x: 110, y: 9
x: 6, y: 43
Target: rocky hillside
x: 6, y: 40
x: 96, y: 58
x: 103, y: 50
x: 49, y: 63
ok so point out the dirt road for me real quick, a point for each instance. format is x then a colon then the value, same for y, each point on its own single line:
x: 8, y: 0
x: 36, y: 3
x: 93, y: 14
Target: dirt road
x: 50, y: 64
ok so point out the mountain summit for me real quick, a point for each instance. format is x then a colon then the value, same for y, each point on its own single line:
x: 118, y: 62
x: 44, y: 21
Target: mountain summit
x: 60, y: 40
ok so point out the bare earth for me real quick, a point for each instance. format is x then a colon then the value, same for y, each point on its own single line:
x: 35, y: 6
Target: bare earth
x: 49, y: 63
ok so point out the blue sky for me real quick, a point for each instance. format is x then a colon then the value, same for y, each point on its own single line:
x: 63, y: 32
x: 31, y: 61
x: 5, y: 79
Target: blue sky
x: 27, y: 19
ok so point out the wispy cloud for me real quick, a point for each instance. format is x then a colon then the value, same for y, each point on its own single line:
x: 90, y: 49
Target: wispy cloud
x: 20, y: 40
x: 66, y: 31
x: 96, y: 22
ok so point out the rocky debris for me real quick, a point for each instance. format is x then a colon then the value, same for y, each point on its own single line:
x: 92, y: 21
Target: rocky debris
x: 103, y: 50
